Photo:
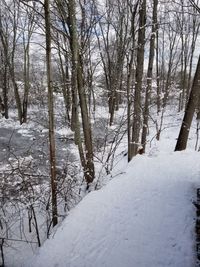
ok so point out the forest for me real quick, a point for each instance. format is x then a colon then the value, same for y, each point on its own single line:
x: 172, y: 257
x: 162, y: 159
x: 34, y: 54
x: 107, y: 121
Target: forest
x: 85, y: 85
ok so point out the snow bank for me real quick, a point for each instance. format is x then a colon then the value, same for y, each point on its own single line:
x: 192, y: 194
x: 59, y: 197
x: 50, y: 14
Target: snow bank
x: 143, y: 218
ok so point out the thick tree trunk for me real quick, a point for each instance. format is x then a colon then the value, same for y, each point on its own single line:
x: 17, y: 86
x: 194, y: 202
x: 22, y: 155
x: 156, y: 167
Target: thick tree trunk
x: 90, y: 173
x: 86, y: 155
x: 138, y: 81
x: 51, y: 114
x: 75, y: 123
x: 189, y: 112
x: 130, y: 78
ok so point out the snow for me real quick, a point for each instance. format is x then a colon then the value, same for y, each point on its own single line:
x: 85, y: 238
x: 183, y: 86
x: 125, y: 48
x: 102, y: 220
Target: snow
x: 65, y: 131
x: 142, y: 218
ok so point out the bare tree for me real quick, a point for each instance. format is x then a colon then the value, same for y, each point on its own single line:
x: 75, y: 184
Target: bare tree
x: 130, y: 72
x: 189, y: 111
x: 136, y: 126
x: 51, y: 113
x: 4, y: 61
x: 149, y: 75
x: 113, y: 44
x: 191, y: 105
x: 28, y: 26
x: 67, y: 11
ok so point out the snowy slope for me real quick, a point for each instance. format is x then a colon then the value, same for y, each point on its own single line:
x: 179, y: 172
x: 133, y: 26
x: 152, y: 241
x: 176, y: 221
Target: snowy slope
x: 143, y: 218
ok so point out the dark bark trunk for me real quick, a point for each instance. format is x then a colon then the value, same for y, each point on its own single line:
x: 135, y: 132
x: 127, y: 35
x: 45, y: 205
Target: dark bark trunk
x: 51, y: 114
x: 138, y: 81
x: 26, y: 83
x: 90, y: 173
x: 5, y: 90
x: 130, y: 77
x: 189, y: 112
x: 86, y: 155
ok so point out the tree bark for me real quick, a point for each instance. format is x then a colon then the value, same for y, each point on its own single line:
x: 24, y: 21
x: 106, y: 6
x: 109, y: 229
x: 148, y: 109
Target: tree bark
x: 130, y: 77
x: 189, y: 112
x: 149, y: 76
x: 51, y: 114
x: 138, y: 81
x: 26, y: 83
x: 89, y: 173
x: 78, y: 87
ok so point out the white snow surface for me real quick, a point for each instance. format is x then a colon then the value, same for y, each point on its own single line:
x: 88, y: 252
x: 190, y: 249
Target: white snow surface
x: 142, y: 218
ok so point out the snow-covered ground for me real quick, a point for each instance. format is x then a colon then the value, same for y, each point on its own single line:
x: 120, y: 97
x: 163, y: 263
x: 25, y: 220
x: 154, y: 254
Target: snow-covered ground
x: 142, y: 218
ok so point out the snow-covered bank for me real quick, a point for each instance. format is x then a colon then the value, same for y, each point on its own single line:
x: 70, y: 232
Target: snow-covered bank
x: 143, y: 218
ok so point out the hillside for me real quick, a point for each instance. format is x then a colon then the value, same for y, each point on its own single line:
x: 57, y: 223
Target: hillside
x: 144, y: 217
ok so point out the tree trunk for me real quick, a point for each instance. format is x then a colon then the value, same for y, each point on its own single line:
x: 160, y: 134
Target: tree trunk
x: 189, y: 112
x: 149, y: 76
x: 65, y: 80
x: 51, y: 114
x: 74, y: 53
x: 195, y: 31
x: 138, y: 81
x: 16, y: 92
x: 78, y: 87
x: 5, y: 84
x: 5, y: 93
x: 90, y: 173
x: 130, y: 78
x: 10, y: 64
x: 26, y: 83
x: 158, y: 91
